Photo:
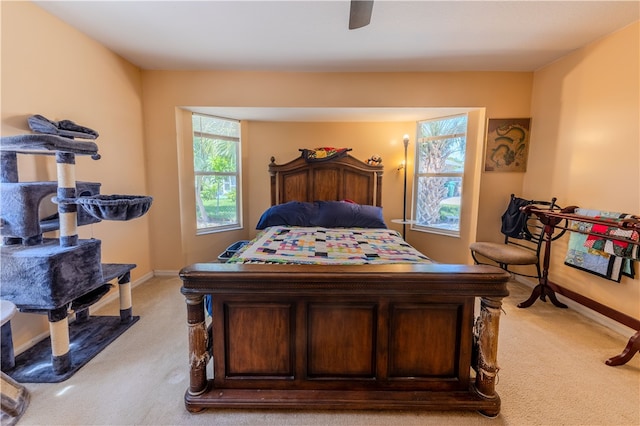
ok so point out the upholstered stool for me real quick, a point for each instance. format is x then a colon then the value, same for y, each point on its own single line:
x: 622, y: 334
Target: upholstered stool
x: 15, y: 397
x: 504, y: 254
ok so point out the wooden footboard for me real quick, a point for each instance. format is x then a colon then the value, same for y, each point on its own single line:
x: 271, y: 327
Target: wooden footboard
x: 344, y: 337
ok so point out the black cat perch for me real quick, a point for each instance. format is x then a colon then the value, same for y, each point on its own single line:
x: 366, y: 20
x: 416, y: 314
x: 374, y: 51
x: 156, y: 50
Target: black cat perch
x: 61, y: 276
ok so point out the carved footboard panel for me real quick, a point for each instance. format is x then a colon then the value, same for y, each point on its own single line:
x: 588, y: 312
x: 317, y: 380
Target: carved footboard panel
x: 344, y: 337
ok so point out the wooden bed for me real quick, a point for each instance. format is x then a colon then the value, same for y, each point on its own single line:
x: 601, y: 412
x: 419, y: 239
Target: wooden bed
x: 400, y: 336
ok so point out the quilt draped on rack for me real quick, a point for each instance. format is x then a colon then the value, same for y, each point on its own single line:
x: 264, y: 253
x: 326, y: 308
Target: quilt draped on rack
x: 598, y: 254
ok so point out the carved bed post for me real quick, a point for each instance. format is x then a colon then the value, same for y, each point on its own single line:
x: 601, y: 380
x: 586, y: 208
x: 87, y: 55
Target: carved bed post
x: 487, y: 327
x: 198, y: 338
x: 379, y: 189
x: 272, y: 181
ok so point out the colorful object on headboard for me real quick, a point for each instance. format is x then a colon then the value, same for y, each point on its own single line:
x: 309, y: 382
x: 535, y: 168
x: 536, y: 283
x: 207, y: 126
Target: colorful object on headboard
x: 323, y: 154
x: 374, y: 160
x: 588, y: 259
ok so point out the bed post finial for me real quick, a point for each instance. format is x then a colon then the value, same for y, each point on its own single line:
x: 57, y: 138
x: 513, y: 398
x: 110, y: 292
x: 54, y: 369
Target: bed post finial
x: 273, y: 160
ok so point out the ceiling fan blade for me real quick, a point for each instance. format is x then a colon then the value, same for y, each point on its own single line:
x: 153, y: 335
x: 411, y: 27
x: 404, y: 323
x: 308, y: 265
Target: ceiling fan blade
x: 360, y: 13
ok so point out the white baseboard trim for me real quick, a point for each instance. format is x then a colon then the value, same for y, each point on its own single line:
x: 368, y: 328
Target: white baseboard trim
x: 165, y: 273
x: 613, y: 325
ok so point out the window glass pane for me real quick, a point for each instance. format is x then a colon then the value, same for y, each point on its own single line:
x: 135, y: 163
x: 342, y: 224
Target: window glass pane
x: 215, y: 126
x: 216, y: 203
x: 216, y: 156
x: 443, y: 126
x: 439, y: 201
x: 202, y: 149
x: 441, y: 155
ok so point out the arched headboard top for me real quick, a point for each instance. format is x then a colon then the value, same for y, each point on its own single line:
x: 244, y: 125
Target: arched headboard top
x: 343, y: 178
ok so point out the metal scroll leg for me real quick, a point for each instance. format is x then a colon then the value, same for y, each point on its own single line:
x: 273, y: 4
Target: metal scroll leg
x: 198, y: 353
x: 487, y: 327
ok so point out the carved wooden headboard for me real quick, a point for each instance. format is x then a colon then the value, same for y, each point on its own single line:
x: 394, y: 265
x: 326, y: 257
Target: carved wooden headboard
x: 344, y: 178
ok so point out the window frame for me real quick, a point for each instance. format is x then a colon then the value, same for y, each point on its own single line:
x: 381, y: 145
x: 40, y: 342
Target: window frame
x: 415, y: 226
x: 198, y: 174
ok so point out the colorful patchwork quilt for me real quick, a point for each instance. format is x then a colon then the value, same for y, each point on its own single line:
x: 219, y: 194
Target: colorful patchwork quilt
x: 620, y: 248
x: 328, y: 246
x: 593, y: 254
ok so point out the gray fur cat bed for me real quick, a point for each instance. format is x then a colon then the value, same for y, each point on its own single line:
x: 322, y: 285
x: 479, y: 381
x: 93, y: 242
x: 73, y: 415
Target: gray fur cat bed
x: 115, y: 207
x: 47, y: 144
x: 64, y: 128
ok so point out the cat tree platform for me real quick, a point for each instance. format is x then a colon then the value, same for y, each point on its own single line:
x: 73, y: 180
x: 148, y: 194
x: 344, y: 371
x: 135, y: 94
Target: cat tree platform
x: 88, y: 335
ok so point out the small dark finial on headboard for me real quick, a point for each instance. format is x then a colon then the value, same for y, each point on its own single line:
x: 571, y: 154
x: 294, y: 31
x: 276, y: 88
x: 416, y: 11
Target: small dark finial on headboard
x: 273, y: 159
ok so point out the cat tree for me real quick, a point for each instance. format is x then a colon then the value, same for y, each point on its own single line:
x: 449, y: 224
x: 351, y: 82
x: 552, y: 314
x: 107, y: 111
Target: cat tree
x: 60, y: 276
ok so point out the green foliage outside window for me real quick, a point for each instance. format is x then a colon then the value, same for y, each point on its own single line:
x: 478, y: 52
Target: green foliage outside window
x: 216, y: 148
x: 440, y: 157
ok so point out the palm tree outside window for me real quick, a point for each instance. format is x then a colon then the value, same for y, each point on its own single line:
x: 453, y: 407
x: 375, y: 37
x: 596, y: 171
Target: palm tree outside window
x: 440, y: 157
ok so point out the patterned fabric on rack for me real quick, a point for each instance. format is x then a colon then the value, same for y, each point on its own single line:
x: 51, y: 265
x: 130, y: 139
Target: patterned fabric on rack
x: 611, y: 246
x: 328, y: 246
x: 598, y: 262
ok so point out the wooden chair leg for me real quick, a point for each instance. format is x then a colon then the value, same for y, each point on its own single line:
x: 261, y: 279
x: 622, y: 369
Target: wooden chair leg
x: 633, y: 347
x: 542, y: 290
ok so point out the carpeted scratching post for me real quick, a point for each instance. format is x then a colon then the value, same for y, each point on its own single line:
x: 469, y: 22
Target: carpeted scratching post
x: 67, y: 212
x: 58, y: 276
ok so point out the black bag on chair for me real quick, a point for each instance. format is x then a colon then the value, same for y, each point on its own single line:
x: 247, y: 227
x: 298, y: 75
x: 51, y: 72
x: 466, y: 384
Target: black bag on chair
x: 513, y: 219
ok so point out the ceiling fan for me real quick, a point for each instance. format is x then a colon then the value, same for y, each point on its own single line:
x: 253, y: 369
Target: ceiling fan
x: 360, y: 13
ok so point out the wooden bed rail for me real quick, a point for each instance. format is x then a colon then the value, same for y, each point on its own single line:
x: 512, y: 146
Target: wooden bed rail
x: 395, y: 336
x: 552, y: 220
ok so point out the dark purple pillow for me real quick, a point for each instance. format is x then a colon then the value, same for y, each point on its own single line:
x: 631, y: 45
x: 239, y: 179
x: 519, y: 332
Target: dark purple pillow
x: 293, y: 213
x: 340, y: 214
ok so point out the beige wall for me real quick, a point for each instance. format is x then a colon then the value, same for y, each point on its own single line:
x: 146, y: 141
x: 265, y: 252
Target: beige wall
x: 51, y: 69
x: 581, y: 106
x: 174, y: 243
x: 585, y: 147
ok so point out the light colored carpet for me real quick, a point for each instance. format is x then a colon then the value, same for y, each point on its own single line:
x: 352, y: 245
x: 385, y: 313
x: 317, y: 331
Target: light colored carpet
x: 552, y: 373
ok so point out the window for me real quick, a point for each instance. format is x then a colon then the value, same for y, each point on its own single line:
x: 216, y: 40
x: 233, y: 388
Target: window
x: 216, y: 156
x: 440, y: 154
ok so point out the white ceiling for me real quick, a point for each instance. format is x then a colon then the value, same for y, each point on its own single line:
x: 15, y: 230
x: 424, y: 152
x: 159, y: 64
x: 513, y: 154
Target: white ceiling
x: 313, y: 35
